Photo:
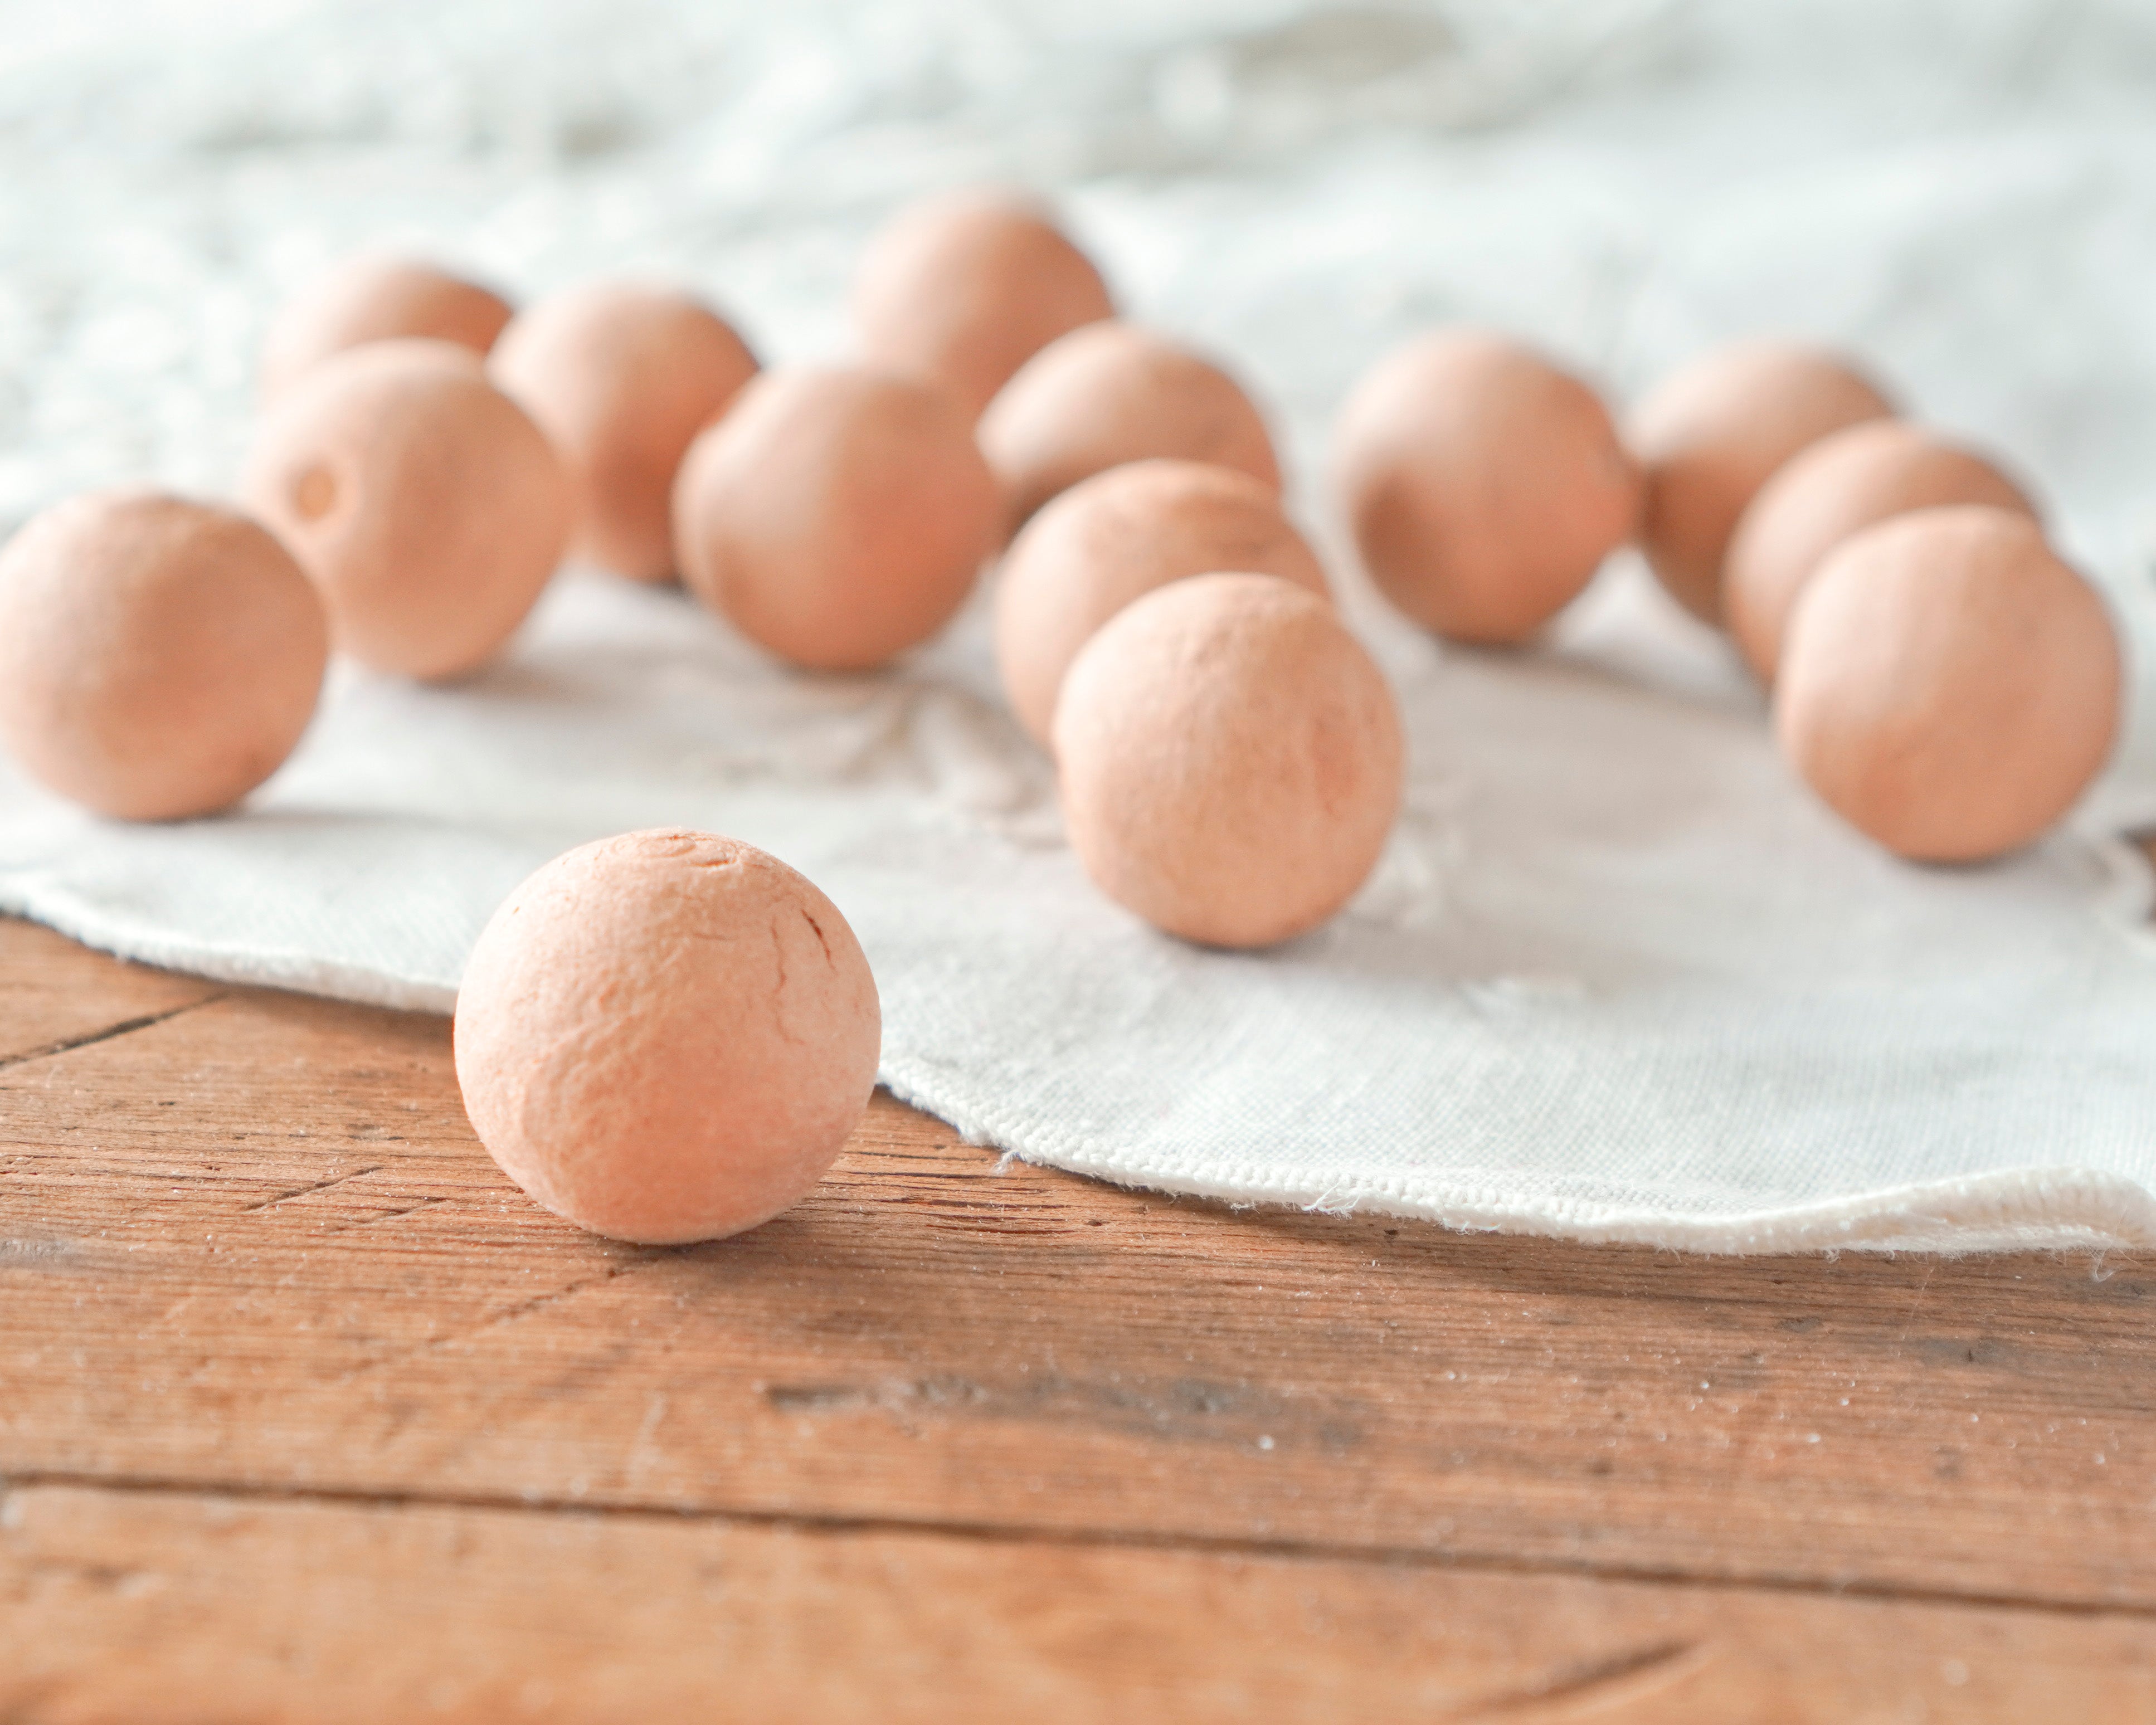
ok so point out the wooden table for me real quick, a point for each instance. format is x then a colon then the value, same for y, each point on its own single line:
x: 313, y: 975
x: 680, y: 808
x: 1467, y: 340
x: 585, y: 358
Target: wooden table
x: 306, y: 1414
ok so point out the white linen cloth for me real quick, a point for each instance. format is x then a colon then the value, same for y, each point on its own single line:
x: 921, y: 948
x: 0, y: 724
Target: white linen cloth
x: 1618, y: 976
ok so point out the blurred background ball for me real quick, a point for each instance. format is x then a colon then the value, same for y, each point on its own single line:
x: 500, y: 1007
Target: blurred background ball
x: 1483, y: 484
x: 428, y: 508
x: 1109, y: 394
x: 622, y: 377
x: 1827, y: 492
x: 1116, y: 536
x: 836, y: 516
x: 371, y: 298
x: 1948, y: 685
x: 962, y: 289
x: 1713, y: 432
x: 159, y: 658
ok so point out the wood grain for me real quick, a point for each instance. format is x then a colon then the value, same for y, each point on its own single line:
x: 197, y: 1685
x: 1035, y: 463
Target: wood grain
x: 253, y: 1247
x: 173, y: 1609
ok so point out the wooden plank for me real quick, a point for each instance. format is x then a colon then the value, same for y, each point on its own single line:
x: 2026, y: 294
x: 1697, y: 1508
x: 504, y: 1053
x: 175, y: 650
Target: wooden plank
x: 255, y: 1245
x: 169, y: 1609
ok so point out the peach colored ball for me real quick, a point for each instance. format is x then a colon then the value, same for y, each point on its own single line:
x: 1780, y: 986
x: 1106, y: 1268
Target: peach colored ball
x: 1711, y: 434
x: 836, y: 517
x: 1825, y: 493
x: 963, y: 289
x: 622, y: 377
x: 1948, y: 686
x: 666, y: 1036
x: 1484, y: 486
x: 159, y: 658
x: 424, y: 503
x: 1109, y: 394
x: 377, y: 298
x: 1118, y: 534
x: 1230, y: 759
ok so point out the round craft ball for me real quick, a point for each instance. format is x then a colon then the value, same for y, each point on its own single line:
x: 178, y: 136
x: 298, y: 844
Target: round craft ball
x: 837, y: 516
x: 1844, y: 482
x: 1484, y: 484
x: 1119, y: 535
x: 666, y: 1036
x: 427, y: 506
x: 1230, y: 759
x: 622, y: 377
x: 963, y: 289
x: 1111, y: 393
x: 159, y: 658
x: 377, y: 298
x: 1948, y: 685
x: 1711, y: 434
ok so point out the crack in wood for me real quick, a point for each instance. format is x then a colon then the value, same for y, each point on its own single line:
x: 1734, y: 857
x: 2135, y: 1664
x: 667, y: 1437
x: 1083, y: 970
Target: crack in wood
x: 271, y: 1204
x: 1665, y: 1662
x: 126, y: 1027
x: 522, y: 1309
x: 1083, y: 1539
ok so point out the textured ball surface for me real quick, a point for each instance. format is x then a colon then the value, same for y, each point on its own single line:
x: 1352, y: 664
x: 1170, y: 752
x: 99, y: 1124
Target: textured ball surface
x: 622, y: 377
x: 836, y: 517
x: 159, y: 658
x: 666, y: 1036
x: 1711, y: 434
x: 426, y: 506
x: 1109, y: 394
x: 963, y: 289
x: 377, y: 298
x: 1484, y: 485
x: 1230, y: 759
x: 1828, y: 491
x: 1948, y: 685
x: 1116, y: 536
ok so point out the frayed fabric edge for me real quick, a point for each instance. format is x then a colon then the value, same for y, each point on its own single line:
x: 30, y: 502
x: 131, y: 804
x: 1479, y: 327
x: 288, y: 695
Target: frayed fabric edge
x: 2037, y: 1208
x: 2012, y: 1210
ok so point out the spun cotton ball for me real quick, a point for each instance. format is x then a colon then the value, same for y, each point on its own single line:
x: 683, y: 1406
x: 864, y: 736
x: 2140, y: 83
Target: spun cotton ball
x: 1230, y: 758
x: 1116, y: 536
x: 428, y: 508
x: 962, y: 289
x: 622, y: 377
x: 666, y: 1036
x: 1484, y: 484
x: 1947, y: 684
x: 1111, y: 393
x: 1711, y: 434
x: 159, y: 658
x: 836, y: 516
x: 1828, y: 491
x: 372, y: 298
